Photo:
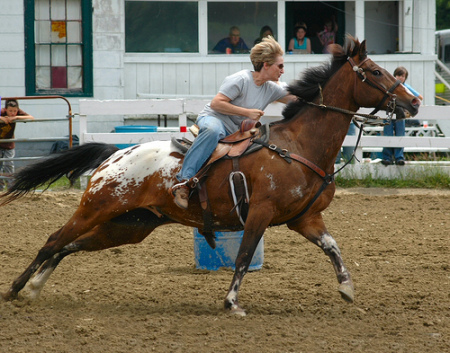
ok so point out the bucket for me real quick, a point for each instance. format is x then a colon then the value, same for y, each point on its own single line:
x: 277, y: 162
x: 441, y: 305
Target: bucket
x: 133, y: 129
x: 225, y: 253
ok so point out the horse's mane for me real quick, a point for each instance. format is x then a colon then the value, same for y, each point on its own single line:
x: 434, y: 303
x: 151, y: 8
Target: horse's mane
x: 308, y: 86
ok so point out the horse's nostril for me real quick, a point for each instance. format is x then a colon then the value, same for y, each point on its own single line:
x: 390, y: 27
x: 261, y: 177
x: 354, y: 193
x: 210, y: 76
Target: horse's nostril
x: 416, y: 102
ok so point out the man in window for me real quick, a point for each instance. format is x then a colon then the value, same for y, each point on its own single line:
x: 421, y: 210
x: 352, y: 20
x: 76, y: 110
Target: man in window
x: 233, y: 44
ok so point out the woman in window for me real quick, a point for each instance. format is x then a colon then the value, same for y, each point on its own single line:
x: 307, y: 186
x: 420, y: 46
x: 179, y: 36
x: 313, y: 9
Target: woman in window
x: 300, y: 44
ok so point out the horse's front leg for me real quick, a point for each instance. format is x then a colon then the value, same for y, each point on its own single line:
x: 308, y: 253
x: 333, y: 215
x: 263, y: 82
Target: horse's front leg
x: 255, y: 225
x: 314, y: 230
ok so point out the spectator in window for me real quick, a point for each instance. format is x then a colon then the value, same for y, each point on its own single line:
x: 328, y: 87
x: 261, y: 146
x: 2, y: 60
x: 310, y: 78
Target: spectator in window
x: 263, y: 33
x: 397, y: 127
x: 300, y: 44
x: 8, y: 116
x: 328, y: 35
x: 233, y: 44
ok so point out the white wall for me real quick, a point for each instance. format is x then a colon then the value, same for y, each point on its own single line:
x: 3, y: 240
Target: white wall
x: 12, y: 52
x: 118, y: 75
x: 109, y: 48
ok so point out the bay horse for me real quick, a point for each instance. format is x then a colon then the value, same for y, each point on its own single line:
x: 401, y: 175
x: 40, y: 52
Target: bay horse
x: 291, y: 182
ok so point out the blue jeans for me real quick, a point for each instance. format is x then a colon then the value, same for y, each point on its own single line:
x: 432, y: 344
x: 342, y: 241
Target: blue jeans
x: 7, y: 167
x: 395, y: 128
x: 211, y: 131
x: 347, y: 151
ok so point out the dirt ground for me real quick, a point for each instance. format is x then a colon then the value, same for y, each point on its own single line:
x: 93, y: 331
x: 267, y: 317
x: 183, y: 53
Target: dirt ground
x: 150, y: 297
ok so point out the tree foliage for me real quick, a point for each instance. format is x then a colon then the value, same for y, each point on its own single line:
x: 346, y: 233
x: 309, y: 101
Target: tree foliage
x: 442, y: 14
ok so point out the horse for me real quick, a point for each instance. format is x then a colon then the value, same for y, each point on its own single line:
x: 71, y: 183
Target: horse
x: 290, y: 180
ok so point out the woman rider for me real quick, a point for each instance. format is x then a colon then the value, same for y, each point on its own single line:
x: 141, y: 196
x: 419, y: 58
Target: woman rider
x: 243, y: 95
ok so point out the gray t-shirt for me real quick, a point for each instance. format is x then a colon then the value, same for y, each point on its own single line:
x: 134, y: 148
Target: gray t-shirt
x: 243, y: 92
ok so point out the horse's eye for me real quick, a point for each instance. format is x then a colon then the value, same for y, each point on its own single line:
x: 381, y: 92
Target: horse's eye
x: 376, y: 73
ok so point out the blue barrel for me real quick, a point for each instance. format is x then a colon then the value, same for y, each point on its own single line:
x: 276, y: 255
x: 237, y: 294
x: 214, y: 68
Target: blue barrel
x: 134, y: 129
x: 225, y: 253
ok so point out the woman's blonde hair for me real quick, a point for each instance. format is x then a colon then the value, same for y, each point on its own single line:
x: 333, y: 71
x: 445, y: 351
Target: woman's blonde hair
x: 266, y: 51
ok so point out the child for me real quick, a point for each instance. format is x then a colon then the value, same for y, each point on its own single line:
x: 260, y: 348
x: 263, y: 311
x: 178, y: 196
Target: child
x: 300, y: 44
x: 8, y: 116
x: 328, y: 35
x: 397, y: 127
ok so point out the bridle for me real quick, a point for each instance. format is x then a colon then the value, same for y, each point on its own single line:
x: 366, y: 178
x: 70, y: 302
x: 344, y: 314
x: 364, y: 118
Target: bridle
x: 360, y: 73
x: 369, y: 119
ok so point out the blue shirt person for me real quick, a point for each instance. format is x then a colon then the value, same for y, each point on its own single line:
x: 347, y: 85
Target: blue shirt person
x: 233, y: 44
x: 397, y: 127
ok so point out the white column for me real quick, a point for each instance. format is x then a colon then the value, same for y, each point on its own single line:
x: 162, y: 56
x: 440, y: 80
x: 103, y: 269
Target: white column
x: 359, y: 20
x: 203, y: 27
x: 406, y: 26
x: 281, y: 30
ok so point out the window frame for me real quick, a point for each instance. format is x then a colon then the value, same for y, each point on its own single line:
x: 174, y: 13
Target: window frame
x: 87, y: 56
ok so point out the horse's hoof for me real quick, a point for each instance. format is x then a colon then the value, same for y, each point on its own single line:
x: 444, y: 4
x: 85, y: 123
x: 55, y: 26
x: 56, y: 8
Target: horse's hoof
x: 347, y: 292
x: 237, y: 310
x: 8, y: 296
x: 234, y: 308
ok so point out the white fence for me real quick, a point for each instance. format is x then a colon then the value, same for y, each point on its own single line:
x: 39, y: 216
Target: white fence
x: 182, y: 107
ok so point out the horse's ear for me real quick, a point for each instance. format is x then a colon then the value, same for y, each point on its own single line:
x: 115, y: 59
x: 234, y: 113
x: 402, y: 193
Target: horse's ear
x: 363, y: 50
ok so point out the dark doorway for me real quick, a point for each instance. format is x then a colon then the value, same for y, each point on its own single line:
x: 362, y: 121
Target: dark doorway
x: 314, y: 14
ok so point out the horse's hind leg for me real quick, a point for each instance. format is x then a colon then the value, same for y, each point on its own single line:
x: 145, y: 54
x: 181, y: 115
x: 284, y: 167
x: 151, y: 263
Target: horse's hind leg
x: 76, y: 226
x: 314, y: 230
x: 36, y: 283
x: 128, y: 229
x: 43, y: 255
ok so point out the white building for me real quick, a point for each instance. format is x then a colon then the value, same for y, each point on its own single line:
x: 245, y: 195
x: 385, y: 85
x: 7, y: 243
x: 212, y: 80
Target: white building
x: 120, y: 49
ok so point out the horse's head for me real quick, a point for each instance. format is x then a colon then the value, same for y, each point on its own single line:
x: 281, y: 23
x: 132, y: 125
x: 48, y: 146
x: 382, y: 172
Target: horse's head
x: 374, y: 86
x: 365, y: 83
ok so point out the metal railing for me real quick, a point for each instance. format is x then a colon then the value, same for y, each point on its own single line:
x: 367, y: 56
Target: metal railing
x: 68, y: 118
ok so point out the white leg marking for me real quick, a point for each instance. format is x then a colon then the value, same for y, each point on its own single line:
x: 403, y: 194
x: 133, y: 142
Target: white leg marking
x: 231, y: 296
x: 36, y: 284
x: 328, y: 243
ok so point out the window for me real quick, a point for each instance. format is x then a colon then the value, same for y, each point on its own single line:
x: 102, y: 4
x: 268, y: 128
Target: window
x: 161, y: 26
x: 248, y: 17
x: 58, y: 47
x: 447, y: 53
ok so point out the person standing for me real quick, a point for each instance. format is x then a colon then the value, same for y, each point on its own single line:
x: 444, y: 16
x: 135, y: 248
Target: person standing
x: 397, y: 127
x: 8, y: 116
x: 243, y: 95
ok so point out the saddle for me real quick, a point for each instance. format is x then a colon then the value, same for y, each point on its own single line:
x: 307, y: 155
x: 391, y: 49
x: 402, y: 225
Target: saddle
x: 231, y: 147
x: 234, y: 145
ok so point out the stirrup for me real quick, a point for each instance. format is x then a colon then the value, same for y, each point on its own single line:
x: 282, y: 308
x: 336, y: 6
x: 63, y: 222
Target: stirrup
x: 180, y: 193
x: 179, y: 185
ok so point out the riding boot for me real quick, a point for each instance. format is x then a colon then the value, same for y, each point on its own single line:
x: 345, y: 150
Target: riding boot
x: 180, y: 193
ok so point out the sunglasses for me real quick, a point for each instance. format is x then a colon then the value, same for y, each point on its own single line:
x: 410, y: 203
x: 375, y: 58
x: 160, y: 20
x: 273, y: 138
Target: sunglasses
x: 281, y: 66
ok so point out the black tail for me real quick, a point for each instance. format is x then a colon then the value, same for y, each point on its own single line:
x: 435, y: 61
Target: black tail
x: 71, y: 163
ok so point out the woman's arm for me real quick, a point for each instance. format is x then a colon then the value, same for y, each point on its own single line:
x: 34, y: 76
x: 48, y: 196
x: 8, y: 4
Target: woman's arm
x: 291, y: 45
x: 308, y: 45
x: 287, y: 99
x: 221, y: 104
